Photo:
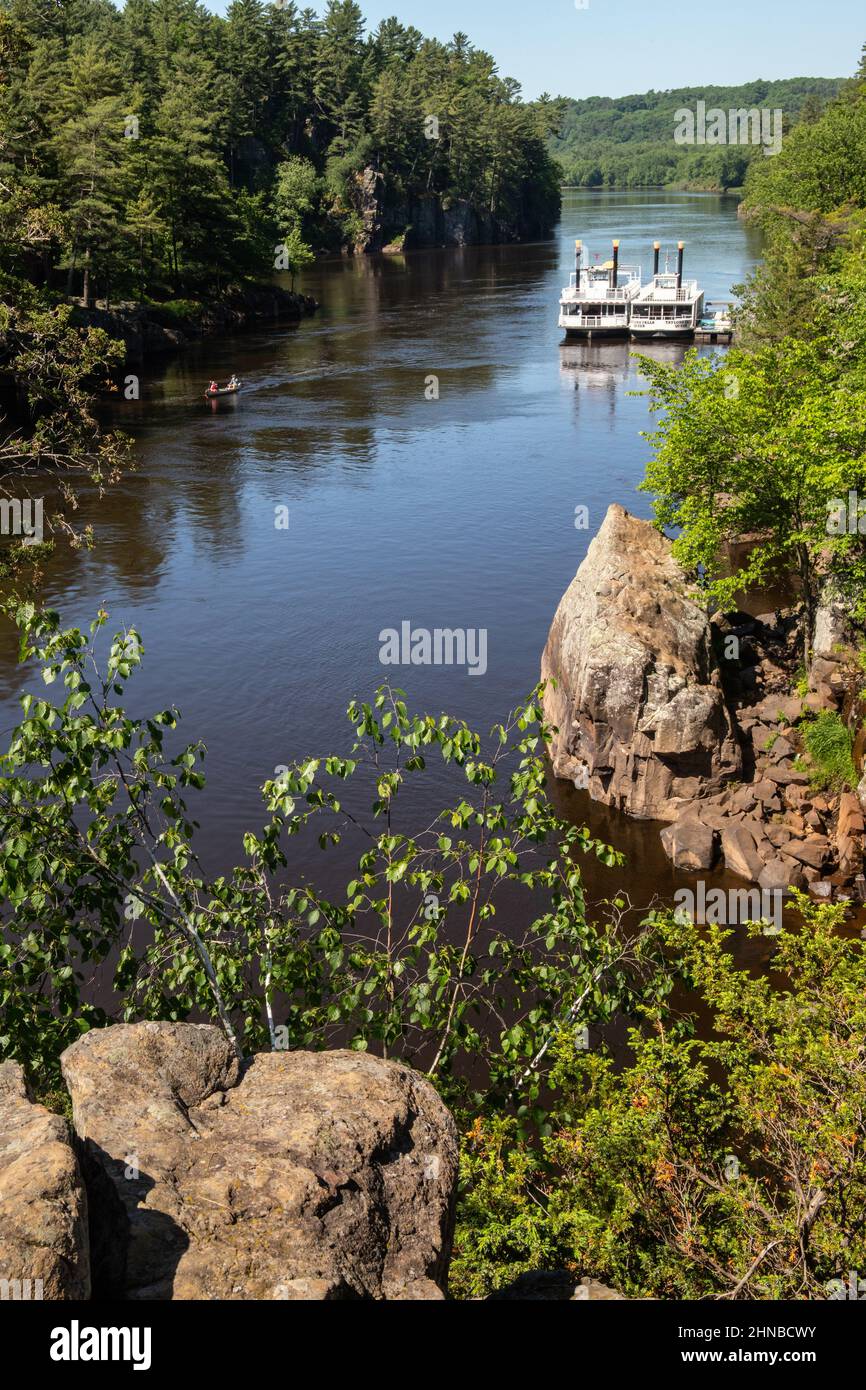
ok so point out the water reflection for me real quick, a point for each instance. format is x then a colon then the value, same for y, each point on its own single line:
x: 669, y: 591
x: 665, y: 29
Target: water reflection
x: 453, y: 507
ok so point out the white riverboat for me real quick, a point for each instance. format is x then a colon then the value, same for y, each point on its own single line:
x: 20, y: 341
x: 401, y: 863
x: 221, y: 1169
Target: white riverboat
x: 595, y: 303
x: 668, y: 306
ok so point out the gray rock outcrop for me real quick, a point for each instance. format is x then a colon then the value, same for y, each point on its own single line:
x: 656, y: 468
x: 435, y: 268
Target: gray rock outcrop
x: 325, y: 1175
x: 639, y: 702
x: 831, y: 642
x: 43, y: 1205
x: 386, y: 218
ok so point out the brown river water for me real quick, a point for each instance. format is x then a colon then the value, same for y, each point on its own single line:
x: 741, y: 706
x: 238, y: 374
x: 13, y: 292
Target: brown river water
x: 456, y: 512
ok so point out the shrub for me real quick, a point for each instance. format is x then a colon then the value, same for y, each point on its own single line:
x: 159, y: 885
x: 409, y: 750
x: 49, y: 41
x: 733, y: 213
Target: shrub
x: 830, y: 746
x: 175, y: 313
x: 731, y: 1166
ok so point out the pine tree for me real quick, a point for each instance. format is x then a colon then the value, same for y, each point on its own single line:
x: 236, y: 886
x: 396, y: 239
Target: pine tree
x: 93, y: 150
x: 340, y: 89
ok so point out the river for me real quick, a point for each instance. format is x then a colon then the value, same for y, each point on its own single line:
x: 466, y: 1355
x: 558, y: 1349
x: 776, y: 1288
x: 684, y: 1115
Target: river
x: 454, y: 512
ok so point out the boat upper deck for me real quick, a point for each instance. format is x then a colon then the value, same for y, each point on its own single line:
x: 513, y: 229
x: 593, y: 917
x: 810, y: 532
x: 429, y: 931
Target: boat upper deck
x: 591, y: 285
x: 664, y: 289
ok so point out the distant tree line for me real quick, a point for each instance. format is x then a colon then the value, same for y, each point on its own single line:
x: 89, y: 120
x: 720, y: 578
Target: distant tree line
x: 628, y: 142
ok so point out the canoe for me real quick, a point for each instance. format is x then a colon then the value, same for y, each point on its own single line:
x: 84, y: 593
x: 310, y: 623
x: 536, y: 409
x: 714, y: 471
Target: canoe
x: 224, y: 390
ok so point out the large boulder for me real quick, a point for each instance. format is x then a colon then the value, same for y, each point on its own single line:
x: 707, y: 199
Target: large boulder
x: 639, y: 704
x: 689, y: 843
x: 739, y: 847
x: 303, y: 1176
x: 43, y: 1205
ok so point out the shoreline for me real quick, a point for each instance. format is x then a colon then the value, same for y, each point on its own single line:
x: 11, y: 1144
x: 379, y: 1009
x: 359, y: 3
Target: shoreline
x: 151, y: 330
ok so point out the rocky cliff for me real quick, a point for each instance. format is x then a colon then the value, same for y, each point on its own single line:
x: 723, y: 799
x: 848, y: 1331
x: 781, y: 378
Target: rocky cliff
x: 296, y: 1176
x: 389, y: 222
x: 666, y: 713
x: 639, y: 704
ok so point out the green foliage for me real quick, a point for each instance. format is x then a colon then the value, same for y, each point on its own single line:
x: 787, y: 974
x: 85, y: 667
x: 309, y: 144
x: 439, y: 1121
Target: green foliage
x: 761, y: 443
x: 628, y: 142
x: 728, y: 1165
x: 60, y: 368
x: 296, y: 252
x: 809, y: 201
x: 175, y: 311
x: 821, y: 166
x: 503, y: 1228
x: 830, y: 746
x: 770, y: 439
x: 297, y: 194
x: 161, y: 151
x: 98, y: 860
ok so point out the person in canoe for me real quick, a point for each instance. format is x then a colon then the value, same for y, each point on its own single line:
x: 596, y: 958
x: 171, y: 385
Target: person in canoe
x: 228, y: 390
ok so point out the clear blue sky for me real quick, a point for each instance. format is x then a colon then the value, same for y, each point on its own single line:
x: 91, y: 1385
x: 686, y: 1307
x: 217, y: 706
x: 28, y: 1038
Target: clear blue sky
x: 614, y: 47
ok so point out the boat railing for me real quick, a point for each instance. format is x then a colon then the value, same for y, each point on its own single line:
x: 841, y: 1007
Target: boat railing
x: 592, y: 320
x: 602, y: 320
x: 656, y: 321
x: 596, y: 293
x: 664, y: 290
x: 594, y: 281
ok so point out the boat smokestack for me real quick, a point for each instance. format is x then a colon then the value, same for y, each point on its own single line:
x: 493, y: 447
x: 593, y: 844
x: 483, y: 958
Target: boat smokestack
x: 680, y: 246
x: 614, y: 270
x: 578, y: 252
x: 657, y: 246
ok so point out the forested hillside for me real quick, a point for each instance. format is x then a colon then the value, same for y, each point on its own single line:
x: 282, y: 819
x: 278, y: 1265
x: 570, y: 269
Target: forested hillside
x: 628, y: 142
x: 789, y: 440
x: 159, y: 149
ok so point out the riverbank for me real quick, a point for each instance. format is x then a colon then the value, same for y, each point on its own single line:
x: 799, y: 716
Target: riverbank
x: 149, y: 330
x: 688, y: 186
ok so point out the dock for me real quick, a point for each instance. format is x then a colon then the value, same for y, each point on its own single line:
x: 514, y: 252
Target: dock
x: 716, y: 327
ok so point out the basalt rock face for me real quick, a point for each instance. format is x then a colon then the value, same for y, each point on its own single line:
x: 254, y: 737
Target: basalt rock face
x: 43, y: 1206
x: 389, y: 221
x: 776, y: 829
x: 304, y: 1176
x: 639, y: 703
